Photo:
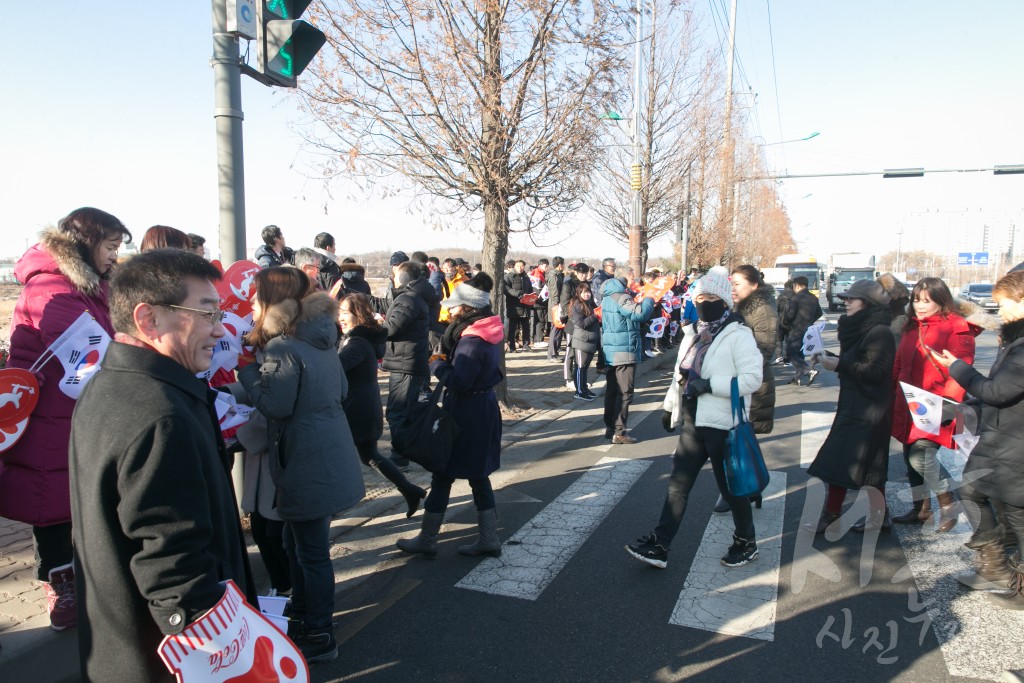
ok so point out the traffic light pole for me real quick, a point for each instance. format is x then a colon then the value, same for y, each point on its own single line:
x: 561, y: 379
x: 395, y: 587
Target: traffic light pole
x: 227, y: 113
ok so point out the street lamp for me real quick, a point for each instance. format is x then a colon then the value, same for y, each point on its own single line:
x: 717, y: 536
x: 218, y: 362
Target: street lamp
x: 783, y: 142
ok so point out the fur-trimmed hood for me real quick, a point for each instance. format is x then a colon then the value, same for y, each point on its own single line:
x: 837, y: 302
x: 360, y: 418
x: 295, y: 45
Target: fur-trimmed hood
x: 352, y: 269
x: 764, y: 295
x: 893, y: 287
x: 976, y: 315
x: 316, y: 322
x: 57, y: 253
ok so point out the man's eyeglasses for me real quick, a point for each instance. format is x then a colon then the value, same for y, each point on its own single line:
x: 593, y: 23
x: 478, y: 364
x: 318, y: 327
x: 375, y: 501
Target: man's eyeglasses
x: 213, y: 317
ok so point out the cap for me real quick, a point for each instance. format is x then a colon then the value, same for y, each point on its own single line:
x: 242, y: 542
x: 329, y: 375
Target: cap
x: 398, y: 258
x: 868, y: 290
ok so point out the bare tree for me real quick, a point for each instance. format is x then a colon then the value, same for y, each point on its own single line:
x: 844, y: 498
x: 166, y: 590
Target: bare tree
x: 676, y: 81
x: 485, y: 104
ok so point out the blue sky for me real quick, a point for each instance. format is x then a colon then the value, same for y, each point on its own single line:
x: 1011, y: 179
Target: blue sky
x: 113, y: 108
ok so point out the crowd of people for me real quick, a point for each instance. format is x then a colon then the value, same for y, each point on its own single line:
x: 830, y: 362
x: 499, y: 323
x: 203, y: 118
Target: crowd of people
x: 128, y: 488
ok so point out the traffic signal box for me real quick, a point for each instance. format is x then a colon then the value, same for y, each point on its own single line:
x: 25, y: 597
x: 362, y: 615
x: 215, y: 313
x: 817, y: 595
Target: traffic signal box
x: 285, y: 45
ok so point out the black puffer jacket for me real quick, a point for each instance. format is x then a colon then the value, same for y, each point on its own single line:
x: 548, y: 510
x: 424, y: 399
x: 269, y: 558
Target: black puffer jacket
x: 406, y: 323
x: 586, y: 329
x: 999, y: 453
x: 569, y: 287
x: 360, y: 348
x: 803, y: 309
x: 759, y: 314
x: 268, y: 258
x: 516, y: 285
x: 354, y: 276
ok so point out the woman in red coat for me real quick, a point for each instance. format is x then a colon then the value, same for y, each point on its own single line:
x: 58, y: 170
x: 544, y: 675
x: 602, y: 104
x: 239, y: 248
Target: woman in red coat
x: 934, y: 323
x: 64, y: 275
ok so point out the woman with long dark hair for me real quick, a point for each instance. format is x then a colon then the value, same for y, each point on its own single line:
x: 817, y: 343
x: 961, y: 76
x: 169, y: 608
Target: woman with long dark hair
x: 469, y: 363
x: 65, y: 275
x: 298, y: 384
x: 934, y: 323
x: 586, y: 337
x: 362, y: 345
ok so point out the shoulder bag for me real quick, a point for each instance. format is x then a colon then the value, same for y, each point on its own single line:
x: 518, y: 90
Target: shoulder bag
x: 428, y: 435
x: 745, y: 472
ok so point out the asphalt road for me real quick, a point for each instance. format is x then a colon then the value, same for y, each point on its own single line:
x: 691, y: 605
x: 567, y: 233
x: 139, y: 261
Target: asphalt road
x: 566, y: 603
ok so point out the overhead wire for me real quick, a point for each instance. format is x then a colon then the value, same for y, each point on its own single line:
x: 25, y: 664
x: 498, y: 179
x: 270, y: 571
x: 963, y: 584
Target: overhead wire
x: 775, y: 78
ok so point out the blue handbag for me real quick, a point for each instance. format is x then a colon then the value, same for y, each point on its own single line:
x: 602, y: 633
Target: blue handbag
x: 745, y: 472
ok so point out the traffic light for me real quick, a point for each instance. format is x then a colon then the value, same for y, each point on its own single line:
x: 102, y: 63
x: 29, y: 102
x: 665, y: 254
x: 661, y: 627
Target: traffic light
x: 285, y: 45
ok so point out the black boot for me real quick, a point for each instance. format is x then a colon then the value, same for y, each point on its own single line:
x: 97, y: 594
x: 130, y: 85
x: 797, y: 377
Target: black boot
x: 911, y: 517
x: 389, y: 470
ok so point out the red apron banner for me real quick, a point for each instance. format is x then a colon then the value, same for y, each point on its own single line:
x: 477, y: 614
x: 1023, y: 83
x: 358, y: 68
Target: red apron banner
x: 236, y: 288
x: 529, y: 299
x: 19, y: 393
x: 233, y: 643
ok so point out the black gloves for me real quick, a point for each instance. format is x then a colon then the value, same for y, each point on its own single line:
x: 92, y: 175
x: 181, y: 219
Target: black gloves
x: 697, y: 386
x: 666, y: 421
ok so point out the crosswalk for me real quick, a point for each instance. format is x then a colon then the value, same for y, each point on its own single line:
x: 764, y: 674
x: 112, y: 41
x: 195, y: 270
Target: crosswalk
x: 743, y: 601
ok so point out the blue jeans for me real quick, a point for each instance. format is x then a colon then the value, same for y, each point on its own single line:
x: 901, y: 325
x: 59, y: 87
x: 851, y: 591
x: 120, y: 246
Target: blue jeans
x: 308, y: 547
x: 441, y: 491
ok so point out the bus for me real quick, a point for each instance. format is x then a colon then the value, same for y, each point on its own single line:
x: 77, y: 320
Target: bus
x: 802, y: 264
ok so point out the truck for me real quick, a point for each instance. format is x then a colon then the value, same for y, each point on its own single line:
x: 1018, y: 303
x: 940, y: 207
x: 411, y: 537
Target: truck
x: 805, y: 265
x: 843, y: 270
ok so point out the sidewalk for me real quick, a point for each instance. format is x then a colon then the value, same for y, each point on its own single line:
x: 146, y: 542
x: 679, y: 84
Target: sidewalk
x: 31, y: 651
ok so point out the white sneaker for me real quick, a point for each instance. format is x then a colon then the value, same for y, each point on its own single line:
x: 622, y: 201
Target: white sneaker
x: 649, y: 354
x: 570, y: 385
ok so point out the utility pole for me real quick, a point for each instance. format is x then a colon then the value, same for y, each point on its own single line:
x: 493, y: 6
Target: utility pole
x: 227, y: 113
x: 636, y: 170
x: 684, y: 224
x: 729, y: 152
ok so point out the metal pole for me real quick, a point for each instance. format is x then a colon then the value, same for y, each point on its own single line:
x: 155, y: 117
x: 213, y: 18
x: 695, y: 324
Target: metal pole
x: 227, y: 113
x: 729, y: 153
x: 684, y: 237
x: 636, y: 170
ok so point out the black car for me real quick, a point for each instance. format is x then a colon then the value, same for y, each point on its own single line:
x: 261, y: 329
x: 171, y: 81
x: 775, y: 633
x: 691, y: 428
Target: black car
x: 980, y: 294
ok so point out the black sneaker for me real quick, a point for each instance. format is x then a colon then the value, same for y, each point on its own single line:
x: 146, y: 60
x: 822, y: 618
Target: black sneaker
x: 647, y: 549
x: 583, y: 397
x: 590, y: 393
x: 318, y: 645
x: 740, y: 552
x: 795, y: 382
x: 811, y: 375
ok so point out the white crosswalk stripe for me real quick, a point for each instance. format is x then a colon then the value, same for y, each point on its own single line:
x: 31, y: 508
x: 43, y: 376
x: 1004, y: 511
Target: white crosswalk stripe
x: 737, y: 601
x: 532, y: 558
x: 965, y: 623
x: 814, y: 427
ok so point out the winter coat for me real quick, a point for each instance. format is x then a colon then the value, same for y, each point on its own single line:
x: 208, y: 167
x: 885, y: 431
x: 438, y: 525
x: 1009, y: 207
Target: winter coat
x: 759, y: 314
x: 421, y: 288
x: 354, y: 277
x: 299, y: 387
x: 516, y: 285
x: 458, y: 278
x: 782, y: 303
x: 330, y: 271
x: 620, y: 324
x: 597, y: 285
x: 155, y: 523
x: 568, y: 293
x: 266, y: 257
x: 733, y: 353
x: 803, y: 309
x: 435, y: 278
x: 407, y: 328
x: 856, y: 451
x: 59, y: 287
x: 915, y: 366
x: 470, y: 376
x: 586, y: 329
x: 555, y: 280
x: 360, y: 349
x: 998, y: 457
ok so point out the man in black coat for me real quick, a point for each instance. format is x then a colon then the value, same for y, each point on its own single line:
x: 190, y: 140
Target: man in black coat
x: 408, y: 349
x: 330, y: 271
x: 273, y: 252
x: 802, y: 310
x: 517, y: 284
x: 606, y: 273
x: 155, y: 521
x: 782, y: 303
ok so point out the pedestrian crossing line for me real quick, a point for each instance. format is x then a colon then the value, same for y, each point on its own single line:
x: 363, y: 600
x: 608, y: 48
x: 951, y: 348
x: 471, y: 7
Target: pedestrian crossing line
x: 738, y: 601
x: 965, y: 623
x: 814, y: 427
x: 533, y: 556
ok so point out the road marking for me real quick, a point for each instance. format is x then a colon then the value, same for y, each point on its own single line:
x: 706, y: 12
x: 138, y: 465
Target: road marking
x: 965, y: 623
x: 737, y: 601
x: 532, y: 558
x: 814, y: 427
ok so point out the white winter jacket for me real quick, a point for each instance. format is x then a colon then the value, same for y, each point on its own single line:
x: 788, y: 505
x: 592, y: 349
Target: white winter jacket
x: 733, y: 353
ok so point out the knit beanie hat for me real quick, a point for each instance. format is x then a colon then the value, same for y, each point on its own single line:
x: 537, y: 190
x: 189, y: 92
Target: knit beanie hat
x: 464, y: 295
x: 398, y: 258
x: 716, y: 282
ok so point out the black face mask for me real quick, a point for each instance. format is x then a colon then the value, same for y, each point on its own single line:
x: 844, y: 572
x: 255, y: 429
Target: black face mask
x: 710, y: 311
